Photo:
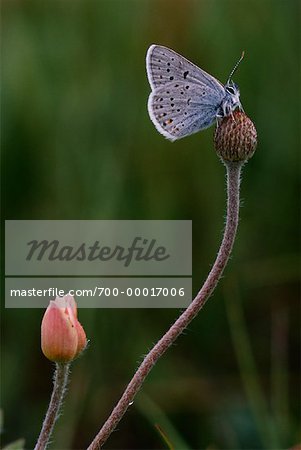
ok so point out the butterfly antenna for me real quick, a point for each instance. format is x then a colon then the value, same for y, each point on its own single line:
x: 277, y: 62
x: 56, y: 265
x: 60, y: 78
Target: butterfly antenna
x: 236, y: 65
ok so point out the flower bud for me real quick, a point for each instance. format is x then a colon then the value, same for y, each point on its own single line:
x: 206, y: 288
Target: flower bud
x: 62, y: 336
x: 235, y: 138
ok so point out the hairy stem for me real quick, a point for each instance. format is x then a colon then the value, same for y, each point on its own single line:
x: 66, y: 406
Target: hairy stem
x: 59, y: 387
x: 233, y: 183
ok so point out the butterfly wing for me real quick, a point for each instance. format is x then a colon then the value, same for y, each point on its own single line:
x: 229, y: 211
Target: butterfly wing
x: 184, y: 98
x: 164, y: 65
x: 180, y: 111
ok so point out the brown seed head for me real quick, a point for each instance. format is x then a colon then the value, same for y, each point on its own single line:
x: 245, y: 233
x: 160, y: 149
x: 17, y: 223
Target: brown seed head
x: 235, y: 138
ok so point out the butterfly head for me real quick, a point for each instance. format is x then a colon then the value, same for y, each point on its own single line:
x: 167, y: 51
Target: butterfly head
x: 231, y: 100
x: 232, y: 94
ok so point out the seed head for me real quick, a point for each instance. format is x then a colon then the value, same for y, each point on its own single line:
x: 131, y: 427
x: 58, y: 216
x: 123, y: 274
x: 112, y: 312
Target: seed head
x: 235, y: 138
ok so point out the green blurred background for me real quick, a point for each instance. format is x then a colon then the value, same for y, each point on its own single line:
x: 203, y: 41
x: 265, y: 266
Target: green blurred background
x: 79, y: 145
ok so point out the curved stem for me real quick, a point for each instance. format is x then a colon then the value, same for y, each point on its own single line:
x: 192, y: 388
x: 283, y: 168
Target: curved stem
x: 59, y: 387
x: 233, y: 183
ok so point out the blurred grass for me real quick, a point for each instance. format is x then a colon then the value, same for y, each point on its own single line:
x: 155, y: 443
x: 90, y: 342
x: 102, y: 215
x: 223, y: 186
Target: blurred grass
x: 161, y: 423
x: 79, y: 145
x: 247, y: 367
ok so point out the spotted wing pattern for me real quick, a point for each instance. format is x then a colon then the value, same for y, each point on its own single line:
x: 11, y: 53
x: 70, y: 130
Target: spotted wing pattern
x: 184, y: 98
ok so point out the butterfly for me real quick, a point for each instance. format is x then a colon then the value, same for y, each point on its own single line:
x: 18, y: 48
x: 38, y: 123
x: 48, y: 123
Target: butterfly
x: 184, y: 98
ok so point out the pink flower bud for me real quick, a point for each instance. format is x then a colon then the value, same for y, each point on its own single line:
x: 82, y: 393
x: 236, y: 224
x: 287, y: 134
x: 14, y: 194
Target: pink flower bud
x: 62, y: 336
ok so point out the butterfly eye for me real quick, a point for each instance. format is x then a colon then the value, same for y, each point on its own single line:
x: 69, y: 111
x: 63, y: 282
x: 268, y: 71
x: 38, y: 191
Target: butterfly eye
x: 230, y: 90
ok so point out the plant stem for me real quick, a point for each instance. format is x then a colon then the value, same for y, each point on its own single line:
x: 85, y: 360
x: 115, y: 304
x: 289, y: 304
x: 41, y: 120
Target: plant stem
x: 233, y: 183
x: 59, y: 387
